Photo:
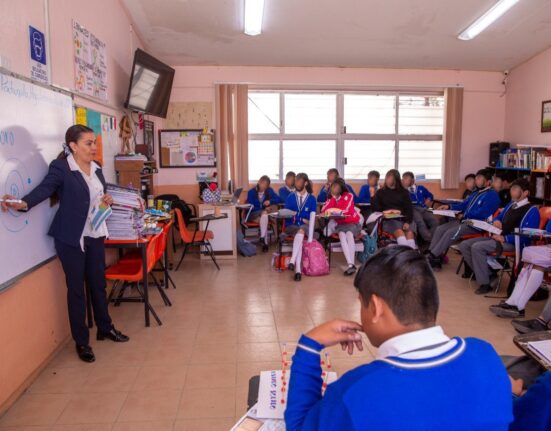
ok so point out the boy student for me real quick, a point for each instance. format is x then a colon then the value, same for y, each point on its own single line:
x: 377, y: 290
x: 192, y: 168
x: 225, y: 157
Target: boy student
x: 392, y: 198
x: 262, y: 197
x: 478, y: 206
x: 303, y: 202
x: 421, y: 198
x: 470, y: 185
x: 421, y: 379
x: 367, y: 191
x: 518, y: 214
x: 288, y: 187
x: 505, y: 193
x: 541, y: 323
x: 332, y: 175
x: 348, y: 227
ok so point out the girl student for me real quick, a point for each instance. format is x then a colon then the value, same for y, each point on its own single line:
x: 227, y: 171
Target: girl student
x: 304, y: 203
x: 262, y: 197
x: 348, y: 227
x: 393, y: 198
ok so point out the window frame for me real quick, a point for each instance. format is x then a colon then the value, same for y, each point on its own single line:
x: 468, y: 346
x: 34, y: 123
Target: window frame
x: 341, y: 135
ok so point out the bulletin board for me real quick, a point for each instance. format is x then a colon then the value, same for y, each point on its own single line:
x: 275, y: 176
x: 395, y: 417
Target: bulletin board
x: 187, y: 148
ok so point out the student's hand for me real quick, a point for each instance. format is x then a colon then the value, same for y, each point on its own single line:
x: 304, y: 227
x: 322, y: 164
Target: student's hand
x: 459, y: 216
x: 15, y: 206
x: 497, y: 224
x: 428, y: 203
x: 266, y: 203
x: 338, y: 331
x: 305, y: 221
x: 391, y: 212
x: 372, y: 191
x: 499, y: 238
x: 107, y: 199
x: 517, y: 386
x: 443, y: 207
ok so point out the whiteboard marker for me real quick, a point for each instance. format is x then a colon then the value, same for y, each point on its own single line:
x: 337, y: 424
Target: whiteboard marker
x: 11, y: 201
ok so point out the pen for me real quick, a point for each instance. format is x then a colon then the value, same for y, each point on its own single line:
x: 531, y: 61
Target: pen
x: 11, y: 201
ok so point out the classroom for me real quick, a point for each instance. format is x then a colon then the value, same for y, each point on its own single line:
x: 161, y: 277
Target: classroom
x: 257, y: 215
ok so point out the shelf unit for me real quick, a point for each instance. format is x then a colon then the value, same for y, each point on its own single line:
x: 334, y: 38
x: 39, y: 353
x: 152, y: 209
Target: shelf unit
x: 138, y: 174
x: 535, y: 176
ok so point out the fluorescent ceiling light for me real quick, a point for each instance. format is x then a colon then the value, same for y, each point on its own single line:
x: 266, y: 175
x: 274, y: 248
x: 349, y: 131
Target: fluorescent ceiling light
x: 254, y: 10
x: 487, y: 19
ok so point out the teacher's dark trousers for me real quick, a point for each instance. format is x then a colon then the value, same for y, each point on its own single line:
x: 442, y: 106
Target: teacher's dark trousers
x: 88, y: 267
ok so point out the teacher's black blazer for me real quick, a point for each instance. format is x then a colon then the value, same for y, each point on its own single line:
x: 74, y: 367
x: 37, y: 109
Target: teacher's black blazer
x: 74, y: 200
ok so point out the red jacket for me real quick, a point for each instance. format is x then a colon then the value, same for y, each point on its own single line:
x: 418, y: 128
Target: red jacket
x: 346, y: 204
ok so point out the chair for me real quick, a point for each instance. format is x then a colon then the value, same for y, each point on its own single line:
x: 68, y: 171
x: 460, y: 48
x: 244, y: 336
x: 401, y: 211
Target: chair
x: 545, y: 215
x: 334, y: 239
x: 508, y: 268
x: 131, y: 272
x: 194, y: 238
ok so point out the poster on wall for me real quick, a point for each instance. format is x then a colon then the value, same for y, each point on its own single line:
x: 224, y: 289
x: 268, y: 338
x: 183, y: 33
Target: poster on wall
x: 187, y: 148
x: 90, y: 60
x: 37, y: 46
x: 101, y: 125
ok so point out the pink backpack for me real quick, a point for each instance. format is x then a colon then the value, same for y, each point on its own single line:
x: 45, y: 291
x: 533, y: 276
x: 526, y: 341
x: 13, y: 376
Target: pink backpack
x: 314, y: 260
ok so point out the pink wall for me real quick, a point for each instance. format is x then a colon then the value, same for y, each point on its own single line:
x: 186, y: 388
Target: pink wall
x: 33, y: 315
x: 529, y: 85
x: 484, y: 108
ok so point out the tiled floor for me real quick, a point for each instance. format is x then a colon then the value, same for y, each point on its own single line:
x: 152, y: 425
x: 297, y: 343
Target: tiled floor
x: 224, y: 327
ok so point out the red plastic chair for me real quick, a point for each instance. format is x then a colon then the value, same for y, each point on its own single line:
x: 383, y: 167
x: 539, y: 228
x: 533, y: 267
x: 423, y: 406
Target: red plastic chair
x: 191, y: 238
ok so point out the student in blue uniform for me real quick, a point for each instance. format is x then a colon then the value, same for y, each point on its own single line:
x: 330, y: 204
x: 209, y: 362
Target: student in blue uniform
x: 479, y: 206
x: 470, y: 185
x: 532, y: 410
x: 262, y: 197
x: 368, y: 190
x: 325, y: 192
x: 303, y: 202
x: 421, y: 199
x: 288, y: 187
x: 518, y: 214
x: 420, y: 375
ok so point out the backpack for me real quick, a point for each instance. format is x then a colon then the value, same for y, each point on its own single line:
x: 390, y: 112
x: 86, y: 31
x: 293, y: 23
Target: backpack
x: 244, y: 247
x: 370, y: 248
x: 314, y: 260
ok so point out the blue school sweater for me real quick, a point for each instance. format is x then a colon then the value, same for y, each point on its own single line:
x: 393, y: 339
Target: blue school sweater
x: 322, y: 196
x: 531, y: 220
x: 418, y: 195
x: 308, y: 205
x: 465, y: 388
x: 364, y: 197
x: 479, y: 205
x: 532, y: 411
x: 270, y: 194
x: 284, y: 192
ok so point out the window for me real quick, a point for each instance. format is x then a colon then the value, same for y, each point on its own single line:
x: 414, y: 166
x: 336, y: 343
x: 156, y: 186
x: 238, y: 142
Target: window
x: 354, y: 132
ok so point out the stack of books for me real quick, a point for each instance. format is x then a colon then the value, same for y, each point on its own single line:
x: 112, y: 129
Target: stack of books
x: 135, y: 156
x: 127, y: 219
x: 526, y: 158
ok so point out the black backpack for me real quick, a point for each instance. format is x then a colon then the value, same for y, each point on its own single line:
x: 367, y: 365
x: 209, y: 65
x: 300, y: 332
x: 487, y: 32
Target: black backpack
x: 188, y: 210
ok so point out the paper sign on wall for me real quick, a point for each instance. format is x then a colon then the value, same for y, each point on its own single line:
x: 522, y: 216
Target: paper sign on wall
x: 37, y: 46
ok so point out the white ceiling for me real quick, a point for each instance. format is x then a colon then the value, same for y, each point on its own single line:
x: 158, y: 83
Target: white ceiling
x: 353, y: 33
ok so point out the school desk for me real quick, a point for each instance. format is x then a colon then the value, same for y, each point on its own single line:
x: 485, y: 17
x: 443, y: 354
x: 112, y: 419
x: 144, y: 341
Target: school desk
x: 522, y: 340
x: 224, y: 243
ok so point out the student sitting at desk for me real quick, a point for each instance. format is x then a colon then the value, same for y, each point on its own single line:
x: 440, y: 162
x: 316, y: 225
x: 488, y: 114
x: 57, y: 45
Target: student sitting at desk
x: 479, y: 206
x: 288, y: 187
x: 532, y: 409
x: 393, y: 198
x: 332, y: 175
x: 348, y: 227
x: 421, y: 198
x: 518, y: 214
x: 303, y: 202
x: 262, y: 197
x: 505, y: 192
x: 470, y: 185
x: 368, y: 190
x: 421, y: 379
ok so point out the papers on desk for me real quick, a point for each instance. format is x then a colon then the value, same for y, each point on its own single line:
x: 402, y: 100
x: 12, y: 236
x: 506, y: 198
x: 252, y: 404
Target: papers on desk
x: 535, y: 232
x: 482, y: 225
x: 250, y: 422
x: 284, y: 212
x: 445, y: 213
x: 541, y: 348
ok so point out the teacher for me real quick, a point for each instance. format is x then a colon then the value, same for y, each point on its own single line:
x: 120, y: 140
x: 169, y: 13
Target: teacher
x: 76, y: 181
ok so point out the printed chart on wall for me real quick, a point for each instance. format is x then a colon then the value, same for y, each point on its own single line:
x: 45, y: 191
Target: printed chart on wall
x: 90, y: 60
x: 33, y: 120
x: 187, y: 148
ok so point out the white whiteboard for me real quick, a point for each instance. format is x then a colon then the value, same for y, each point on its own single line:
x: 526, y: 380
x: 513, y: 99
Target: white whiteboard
x: 33, y: 121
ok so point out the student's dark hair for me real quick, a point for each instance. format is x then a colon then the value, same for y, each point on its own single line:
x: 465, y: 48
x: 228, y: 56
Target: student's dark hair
x: 267, y: 191
x: 397, y: 180
x: 408, y: 174
x: 73, y: 134
x: 341, y: 184
x: 486, y: 173
x: 523, y: 183
x: 290, y: 174
x: 469, y: 176
x: 333, y: 171
x: 374, y: 174
x: 307, y: 182
x: 404, y: 280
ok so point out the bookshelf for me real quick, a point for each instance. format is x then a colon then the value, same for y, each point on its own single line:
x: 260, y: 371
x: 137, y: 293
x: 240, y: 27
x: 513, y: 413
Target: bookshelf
x: 138, y: 174
x: 540, y: 182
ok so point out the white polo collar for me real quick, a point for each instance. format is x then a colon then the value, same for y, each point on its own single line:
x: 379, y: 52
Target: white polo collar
x: 73, y: 165
x: 414, y: 341
x: 522, y: 202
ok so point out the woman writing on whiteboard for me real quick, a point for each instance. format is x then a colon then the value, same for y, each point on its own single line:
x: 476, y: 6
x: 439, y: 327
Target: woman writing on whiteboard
x: 76, y: 181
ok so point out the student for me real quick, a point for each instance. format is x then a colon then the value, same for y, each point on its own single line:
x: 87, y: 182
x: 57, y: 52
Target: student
x: 332, y: 175
x: 518, y: 213
x: 303, y: 202
x: 532, y: 410
x: 470, y: 185
x: 497, y: 183
x: 536, y: 259
x: 505, y: 193
x: 262, y: 197
x: 289, y: 186
x: 368, y: 190
x: 541, y: 323
x: 478, y: 206
x: 420, y: 376
x: 393, y: 198
x: 421, y: 198
x: 348, y: 227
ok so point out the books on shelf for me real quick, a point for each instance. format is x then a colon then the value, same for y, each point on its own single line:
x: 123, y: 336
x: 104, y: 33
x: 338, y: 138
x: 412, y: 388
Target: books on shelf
x: 127, y: 217
x: 540, y: 187
x: 530, y: 158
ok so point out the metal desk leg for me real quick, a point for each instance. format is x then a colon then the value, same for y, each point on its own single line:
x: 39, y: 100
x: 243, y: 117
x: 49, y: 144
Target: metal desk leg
x: 145, y: 286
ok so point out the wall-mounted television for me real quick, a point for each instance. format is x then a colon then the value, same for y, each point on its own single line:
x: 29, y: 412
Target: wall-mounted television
x: 150, y: 85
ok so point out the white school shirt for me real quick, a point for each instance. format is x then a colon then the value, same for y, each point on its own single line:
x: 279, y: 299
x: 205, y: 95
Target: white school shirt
x: 421, y: 344
x: 95, y: 188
